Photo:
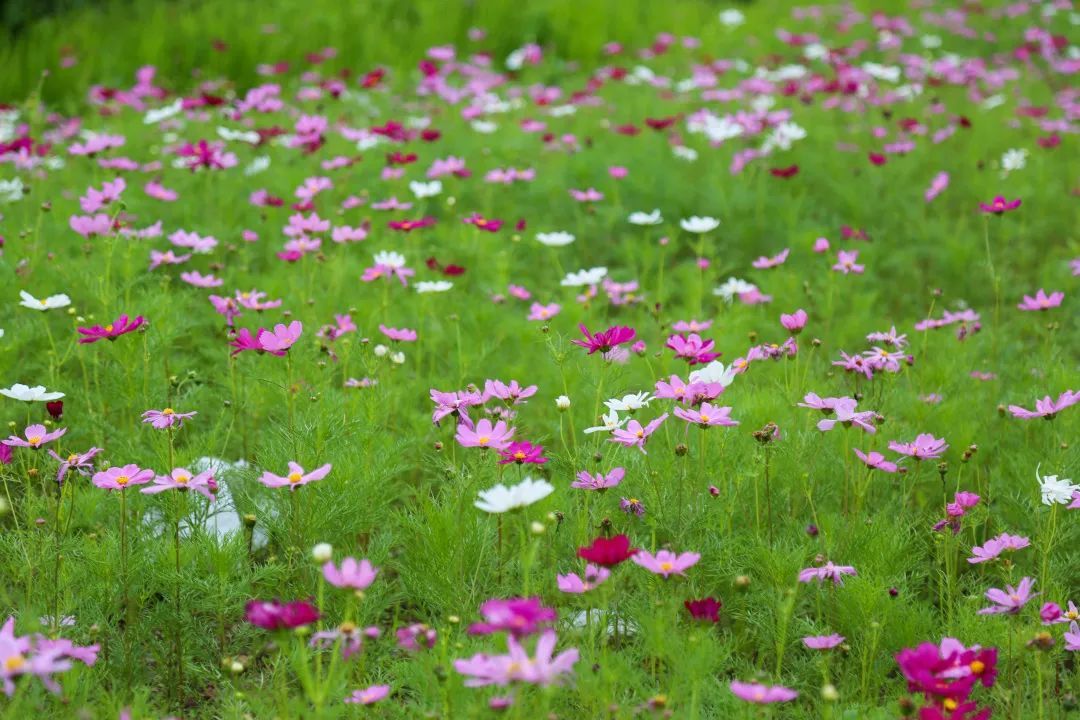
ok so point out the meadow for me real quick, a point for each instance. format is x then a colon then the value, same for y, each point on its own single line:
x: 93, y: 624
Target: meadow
x: 549, y: 360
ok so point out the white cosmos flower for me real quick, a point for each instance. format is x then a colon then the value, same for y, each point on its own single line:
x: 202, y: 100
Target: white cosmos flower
x: 555, y: 239
x: 1, y: 332
x: 1015, y: 159
x: 782, y: 137
x: 562, y: 110
x: 11, y: 190
x: 732, y: 17
x: 930, y: 41
x: 629, y: 403
x: 257, y: 165
x: 1054, y: 491
x: 562, y: 402
x: 684, y: 153
x: 485, y: 127
x: 500, y: 498
x: 714, y: 372
x: 699, y: 224
x: 584, y: 277
x: 429, y: 286
x: 993, y: 101
x: 38, y: 393
x: 249, y: 136
x: 644, y: 218
x: 731, y: 288
x: 366, y: 142
x: 426, y: 190
x: 156, y: 115
x: 49, y: 303
x: 611, y: 422
x: 390, y: 258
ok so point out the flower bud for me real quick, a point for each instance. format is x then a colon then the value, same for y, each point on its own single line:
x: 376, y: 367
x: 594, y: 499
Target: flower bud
x: 322, y: 553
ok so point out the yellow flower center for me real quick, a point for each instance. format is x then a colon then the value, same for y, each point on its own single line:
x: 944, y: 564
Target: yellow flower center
x: 295, y: 477
x: 43, y: 302
x: 666, y: 566
x: 168, y: 411
x: 483, y: 439
x: 1072, y: 614
x: 519, y: 455
x: 34, y: 439
x: 543, y: 313
x: 704, y: 418
x: 347, y: 628
x: 634, y: 501
x: 109, y: 328
x: 122, y: 480
x: 977, y: 667
x: 182, y: 479
x: 72, y: 458
x: 950, y: 704
x: 759, y: 694
x: 245, y: 295
x: 14, y: 663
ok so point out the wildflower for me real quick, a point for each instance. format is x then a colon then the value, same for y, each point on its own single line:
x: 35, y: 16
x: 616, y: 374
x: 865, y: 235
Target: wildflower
x: 876, y: 461
x: 634, y: 435
x: 119, y: 478
x: 555, y: 239
x: 562, y: 402
x: 399, y: 334
x: 1011, y: 599
x: 38, y: 655
x: 993, y: 547
x: 693, y: 348
x: 707, y: 609
x: 281, y: 338
x: 543, y: 312
x: 350, y: 637
x: 762, y: 694
x: 846, y: 415
x: 611, y: 422
x: 937, y: 186
x: 795, y: 322
x: 764, y: 262
x: 80, y: 462
x: 594, y: 577
x: 351, y: 574
x: 1053, y: 491
x: 521, y: 453
x: 1045, y: 408
x: 629, y: 403
x: 699, y: 225
x: 370, y: 695
x: 606, y: 340
x: 295, y: 478
x: 845, y: 262
x: 632, y: 505
x: 999, y: 205
x: 731, y: 288
x: 500, y: 499
x: 1050, y: 613
x: 1072, y: 637
x: 517, y: 666
x: 665, y: 562
x: 644, y: 218
x: 599, y: 481
x: 166, y: 418
x: 607, y: 552
x: 1041, y: 301
x: 35, y: 437
x: 183, y: 479
x: 822, y: 642
x: 924, y: 447
x: 274, y: 615
x: 416, y: 637
x: 518, y: 616
x: 121, y: 326
x: 828, y: 571
x: 484, y: 435
x: 50, y: 303
x: 707, y: 416
x: 946, y: 672
x: 584, y: 277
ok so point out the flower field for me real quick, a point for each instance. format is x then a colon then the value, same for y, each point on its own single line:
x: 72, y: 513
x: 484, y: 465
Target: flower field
x: 721, y: 363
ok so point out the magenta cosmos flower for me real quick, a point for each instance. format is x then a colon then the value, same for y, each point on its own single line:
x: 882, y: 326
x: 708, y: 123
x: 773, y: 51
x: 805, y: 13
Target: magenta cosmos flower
x: 924, y: 447
x: 1042, y: 301
x: 121, y: 326
x: 999, y: 205
x: 281, y: 338
x: 295, y: 478
x: 828, y: 571
x: 36, y: 436
x: 634, y: 435
x: 606, y: 340
x: 665, y: 562
x: 485, y: 435
x: 1011, y: 599
x: 707, y: 609
x: 118, y: 478
x: 167, y: 418
x: 274, y: 615
x: 522, y: 453
x: 693, y: 348
x: 762, y: 694
x: 370, y: 695
x: 706, y: 416
x: 351, y: 574
x: 1047, y: 407
x: 183, y: 479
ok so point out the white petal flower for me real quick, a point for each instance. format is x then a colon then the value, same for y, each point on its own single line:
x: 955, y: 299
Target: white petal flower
x: 562, y: 402
x: 629, y: 403
x: 249, y: 136
x: 611, y: 422
x: 500, y: 498
x: 555, y: 239
x: 38, y: 393
x: 731, y: 288
x: 644, y: 218
x: 433, y: 286
x: 684, y: 153
x: 425, y: 190
x: 390, y: 258
x: 699, y: 224
x: 1054, y: 491
x: 714, y: 372
x: 732, y: 17
x: 50, y: 303
x: 156, y: 115
x: 11, y: 190
x: 257, y: 165
x: 584, y: 277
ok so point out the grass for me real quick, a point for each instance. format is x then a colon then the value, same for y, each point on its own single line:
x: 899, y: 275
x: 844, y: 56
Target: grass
x: 401, y: 490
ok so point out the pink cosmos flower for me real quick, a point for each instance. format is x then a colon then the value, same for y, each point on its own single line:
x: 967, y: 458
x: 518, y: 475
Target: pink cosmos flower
x: 693, y: 348
x: 795, y: 322
x: 594, y: 577
x: 295, y: 478
x: 665, y: 562
x: 1042, y: 301
x: 416, y: 637
x: 822, y: 642
x: 706, y: 416
x: 480, y: 222
x: 1047, y: 407
x: 370, y: 695
x: 1072, y: 637
x: 937, y: 186
x: 274, y: 615
x: 183, y: 479
x: 1010, y: 600
x: 158, y: 191
x: 36, y: 437
x: 684, y: 326
x: 39, y: 656
x: 517, y: 616
x: 599, y: 481
x: 89, y: 226
x: 762, y: 694
x: 95, y: 199
x: 543, y: 312
x: 119, y: 478
x: 634, y: 435
x: 197, y: 279
x: 398, y: 334
x: 846, y: 415
x: 821, y: 245
x: 281, y: 338
x: 121, y: 326
x: 485, y: 435
x: 517, y: 666
x: 522, y: 453
x: 828, y: 571
x: 845, y: 262
x: 80, y: 462
x: 167, y: 418
x: 510, y: 393
x: 157, y: 258
x: 587, y: 196
x: 999, y: 205
x: 876, y: 461
x: 606, y: 340
x: 764, y: 262
x: 992, y: 548
x: 351, y: 574
x: 924, y: 447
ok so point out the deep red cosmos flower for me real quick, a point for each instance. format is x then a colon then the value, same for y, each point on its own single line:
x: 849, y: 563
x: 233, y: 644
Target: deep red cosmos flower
x: 607, y: 551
